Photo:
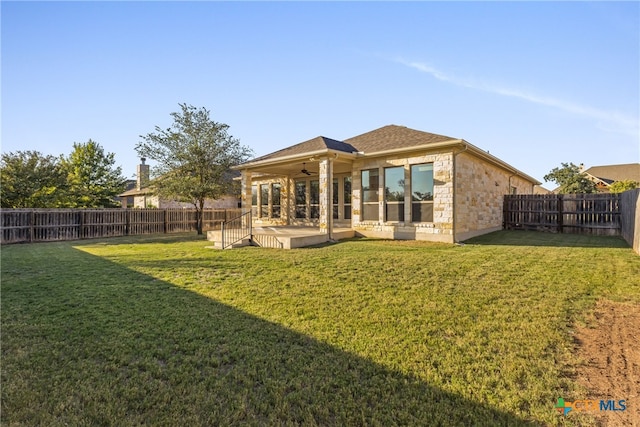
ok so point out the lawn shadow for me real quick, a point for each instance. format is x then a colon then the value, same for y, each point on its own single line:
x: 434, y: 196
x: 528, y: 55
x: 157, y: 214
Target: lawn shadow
x: 539, y: 238
x: 130, y: 349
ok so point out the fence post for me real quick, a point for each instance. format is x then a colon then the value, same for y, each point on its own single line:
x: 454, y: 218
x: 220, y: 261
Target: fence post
x: 560, y: 213
x: 164, y: 220
x: 81, y: 224
x: 504, y: 212
x: 31, y: 225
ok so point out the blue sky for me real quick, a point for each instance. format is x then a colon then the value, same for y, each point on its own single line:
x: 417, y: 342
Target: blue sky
x: 534, y: 83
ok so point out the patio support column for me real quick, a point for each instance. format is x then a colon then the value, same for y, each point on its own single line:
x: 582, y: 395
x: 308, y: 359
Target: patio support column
x: 326, y: 200
x: 246, y: 191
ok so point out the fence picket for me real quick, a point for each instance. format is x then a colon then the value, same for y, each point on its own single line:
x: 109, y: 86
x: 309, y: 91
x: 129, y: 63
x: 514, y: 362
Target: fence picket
x: 40, y: 225
x: 563, y: 213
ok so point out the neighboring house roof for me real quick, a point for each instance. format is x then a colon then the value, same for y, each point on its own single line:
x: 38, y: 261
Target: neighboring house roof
x: 130, y: 184
x: 612, y: 173
x: 136, y: 192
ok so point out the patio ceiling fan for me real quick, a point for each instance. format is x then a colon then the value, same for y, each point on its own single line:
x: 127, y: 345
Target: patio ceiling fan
x: 304, y: 169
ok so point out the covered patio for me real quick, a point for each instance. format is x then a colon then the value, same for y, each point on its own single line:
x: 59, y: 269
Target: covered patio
x: 302, y: 190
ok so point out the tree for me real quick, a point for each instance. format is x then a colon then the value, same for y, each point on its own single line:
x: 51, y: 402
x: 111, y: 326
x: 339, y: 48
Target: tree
x: 624, y: 185
x: 93, y: 180
x: 31, y: 180
x: 570, y: 179
x: 194, y: 158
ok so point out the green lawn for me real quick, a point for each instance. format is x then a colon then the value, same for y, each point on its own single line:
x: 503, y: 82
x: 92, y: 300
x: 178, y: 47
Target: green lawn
x: 163, y: 331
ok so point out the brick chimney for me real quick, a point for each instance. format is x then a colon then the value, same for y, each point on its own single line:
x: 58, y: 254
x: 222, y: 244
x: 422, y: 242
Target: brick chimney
x: 581, y: 167
x: 142, y: 174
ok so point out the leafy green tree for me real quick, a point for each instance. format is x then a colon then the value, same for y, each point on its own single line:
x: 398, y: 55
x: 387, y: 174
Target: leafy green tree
x: 571, y: 180
x: 194, y: 157
x: 29, y: 179
x: 624, y: 185
x: 93, y: 180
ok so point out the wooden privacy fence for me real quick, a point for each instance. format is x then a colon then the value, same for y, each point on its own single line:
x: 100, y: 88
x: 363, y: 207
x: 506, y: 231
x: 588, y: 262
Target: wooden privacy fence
x: 42, y: 225
x: 564, y: 213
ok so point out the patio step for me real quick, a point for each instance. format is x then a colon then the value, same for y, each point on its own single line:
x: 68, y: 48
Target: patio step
x: 267, y: 241
x: 282, y: 237
x: 217, y: 244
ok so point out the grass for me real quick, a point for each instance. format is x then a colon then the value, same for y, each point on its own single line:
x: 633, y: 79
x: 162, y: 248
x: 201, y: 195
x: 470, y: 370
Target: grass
x: 162, y: 331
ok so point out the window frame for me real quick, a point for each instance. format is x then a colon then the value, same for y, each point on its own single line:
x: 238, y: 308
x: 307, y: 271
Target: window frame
x: 391, y: 205
x: 264, y: 200
x: 418, y: 204
x: 254, y: 200
x: 314, y: 202
x: 276, y: 205
x: 369, y: 207
x: 300, y: 208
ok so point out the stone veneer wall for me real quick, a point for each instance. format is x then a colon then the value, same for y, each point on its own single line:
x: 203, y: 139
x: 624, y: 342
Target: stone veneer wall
x: 440, y: 230
x: 479, y: 191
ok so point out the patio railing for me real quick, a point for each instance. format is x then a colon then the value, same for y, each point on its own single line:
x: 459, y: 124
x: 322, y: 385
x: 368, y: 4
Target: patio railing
x: 236, y: 229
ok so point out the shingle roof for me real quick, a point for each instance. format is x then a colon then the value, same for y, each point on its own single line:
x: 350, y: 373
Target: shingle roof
x: 385, y: 138
x: 135, y: 192
x: 393, y: 137
x: 315, y: 144
x: 612, y: 173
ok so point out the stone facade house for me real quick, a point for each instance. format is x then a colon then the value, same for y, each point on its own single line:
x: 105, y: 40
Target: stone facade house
x: 141, y: 196
x: 393, y: 182
x: 605, y: 175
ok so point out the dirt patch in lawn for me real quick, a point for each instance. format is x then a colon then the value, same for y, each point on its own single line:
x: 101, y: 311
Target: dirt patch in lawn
x: 610, y: 352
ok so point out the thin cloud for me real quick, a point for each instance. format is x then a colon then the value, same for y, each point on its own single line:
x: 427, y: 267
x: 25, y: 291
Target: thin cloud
x: 611, y: 121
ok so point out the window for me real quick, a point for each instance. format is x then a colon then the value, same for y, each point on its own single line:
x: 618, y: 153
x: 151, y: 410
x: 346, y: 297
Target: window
x: 335, y: 198
x: 275, y: 200
x: 347, y: 197
x: 254, y: 200
x: 314, y: 197
x: 370, y: 184
x: 394, y: 193
x: 301, y: 199
x: 264, y: 200
x: 422, y: 193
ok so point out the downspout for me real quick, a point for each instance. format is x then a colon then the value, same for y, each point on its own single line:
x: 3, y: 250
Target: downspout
x: 453, y: 181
